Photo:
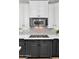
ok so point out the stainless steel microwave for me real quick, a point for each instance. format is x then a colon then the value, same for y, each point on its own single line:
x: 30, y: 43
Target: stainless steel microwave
x: 38, y: 22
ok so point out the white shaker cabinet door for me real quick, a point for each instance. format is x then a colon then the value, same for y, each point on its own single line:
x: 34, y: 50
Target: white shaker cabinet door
x: 34, y: 8
x: 51, y: 16
x: 21, y: 17
x: 39, y: 9
x: 44, y: 9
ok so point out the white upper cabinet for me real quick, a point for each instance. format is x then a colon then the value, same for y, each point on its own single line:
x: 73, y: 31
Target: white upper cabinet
x: 38, y: 8
x: 23, y: 15
x: 53, y: 15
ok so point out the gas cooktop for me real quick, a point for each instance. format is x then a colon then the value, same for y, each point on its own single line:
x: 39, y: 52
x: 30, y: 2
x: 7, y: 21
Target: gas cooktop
x: 39, y: 36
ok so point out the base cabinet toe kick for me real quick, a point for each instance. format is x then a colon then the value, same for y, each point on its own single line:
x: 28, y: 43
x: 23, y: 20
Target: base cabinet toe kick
x: 39, y: 48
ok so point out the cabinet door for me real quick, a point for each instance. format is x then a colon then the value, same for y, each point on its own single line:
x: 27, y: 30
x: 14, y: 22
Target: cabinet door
x: 45, y: 48
x: 27, y: 47
x: 55, y: 49
x: 22, y: 43
x: 35, y: 49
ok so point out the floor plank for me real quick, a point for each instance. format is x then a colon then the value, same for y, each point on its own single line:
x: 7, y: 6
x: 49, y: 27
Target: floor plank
x: 41, y: 58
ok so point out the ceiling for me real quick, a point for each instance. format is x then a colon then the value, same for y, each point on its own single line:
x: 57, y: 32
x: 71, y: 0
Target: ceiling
x: 27, y: 1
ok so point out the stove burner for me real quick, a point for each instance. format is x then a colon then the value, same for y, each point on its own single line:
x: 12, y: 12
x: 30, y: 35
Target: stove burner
x: 39, y: 36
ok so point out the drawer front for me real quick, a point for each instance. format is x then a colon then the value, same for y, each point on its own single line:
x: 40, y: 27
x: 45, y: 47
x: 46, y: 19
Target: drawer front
x: 35, y: 48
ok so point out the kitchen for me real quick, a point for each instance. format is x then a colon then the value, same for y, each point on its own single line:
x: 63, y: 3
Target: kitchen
x: 39, y: 29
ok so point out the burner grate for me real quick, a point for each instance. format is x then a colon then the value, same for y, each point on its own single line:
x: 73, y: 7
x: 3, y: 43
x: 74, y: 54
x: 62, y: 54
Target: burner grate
x: 39, y: 36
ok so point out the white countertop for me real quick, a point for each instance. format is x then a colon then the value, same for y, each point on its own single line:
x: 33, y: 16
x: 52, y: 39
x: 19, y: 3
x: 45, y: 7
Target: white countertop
x: 27, y: 37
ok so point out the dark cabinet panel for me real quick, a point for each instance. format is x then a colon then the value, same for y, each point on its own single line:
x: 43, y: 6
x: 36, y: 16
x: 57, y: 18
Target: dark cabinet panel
x: 55, y: 48
x: 45, y: 48
x: 27, y: 48
x: 39, y: 48
x: 22, y: 43
x: 35, y: 48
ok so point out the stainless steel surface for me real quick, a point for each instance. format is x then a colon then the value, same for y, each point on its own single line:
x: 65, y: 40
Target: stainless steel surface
x: 39, y: 36
x: 43, y: 22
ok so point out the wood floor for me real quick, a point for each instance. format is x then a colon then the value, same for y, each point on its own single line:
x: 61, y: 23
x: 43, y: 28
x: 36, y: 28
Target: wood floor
x: 41, y: 58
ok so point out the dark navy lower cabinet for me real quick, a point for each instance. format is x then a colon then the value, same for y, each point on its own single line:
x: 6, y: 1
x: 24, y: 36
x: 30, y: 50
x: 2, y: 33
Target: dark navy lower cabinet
x: 55, y: 48
x: 45, y: 48
x: 40, y: 48
x: 34, y: 48
x: 22, y: 43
